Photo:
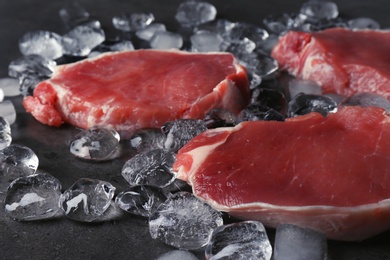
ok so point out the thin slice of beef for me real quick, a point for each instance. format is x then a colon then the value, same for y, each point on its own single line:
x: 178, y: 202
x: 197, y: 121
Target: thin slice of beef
x: 340, y: 60
x: 139, y: 89
x: 330, y: 174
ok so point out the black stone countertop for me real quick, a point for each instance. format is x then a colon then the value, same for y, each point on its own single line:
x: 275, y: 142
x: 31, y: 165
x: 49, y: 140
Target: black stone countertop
x: 124, y: 236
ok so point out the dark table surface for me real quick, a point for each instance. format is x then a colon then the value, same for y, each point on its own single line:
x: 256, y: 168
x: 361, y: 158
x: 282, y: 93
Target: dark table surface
x: 122, y: 236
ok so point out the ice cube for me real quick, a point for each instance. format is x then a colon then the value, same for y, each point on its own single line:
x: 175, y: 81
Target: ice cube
x: 5, y: 133
x: 140, y: 200
x: 147, y: 139
x: 153, y: 168
x: 296, y: 243
x: 297, y: 86
x: 31, y: 65
x: 179, y: 132
x: 122, y: 46
x: 132, y: 22
x: 10, y: 87
x: 72, y: 13
x: 317, y: 10
x: 85, y: 38
x: 72, y: 47
x: 146, y: 33
x: 241, y: 240
x: 164, y: 40
x: 97, y: 144
x: 271, y: 98
x: 205, y: 41
x: 279, y: 24
x: 17, y: 161
x: 177, y: 255
x: 44, y: 43
x: 87, y: 199
x: 241, y: 30
x: 268, y: 44
x: 240, y: 48
x: 219, y: 117
x: 7, y: 110
x: 303, y: 104
x: 256, y: 112
x: 33, y: 197
x: 366, y: 100
x: 363, y: 23
x: 183, y: 221
x: 193, y: 13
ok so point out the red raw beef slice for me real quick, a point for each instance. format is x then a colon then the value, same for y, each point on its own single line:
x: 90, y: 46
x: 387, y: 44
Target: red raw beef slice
x: 129, y: 90
x: 329, y: 174
x: 340, y: 60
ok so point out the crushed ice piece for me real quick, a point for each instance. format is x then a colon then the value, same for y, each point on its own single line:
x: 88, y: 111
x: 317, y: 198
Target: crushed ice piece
x: 44, y: 43
x: 164, y: 40
x: 271, y: 98
x: 318, y: 10
x: 267, y: 44
x: 5, y: 133
x: 261, y: 65
x: 297, y: 86
x: 193, y: 13
x: 366, y: 100
x: 132, y: 22
x: 175, y: 186
x: 33, y: 197
x: 183, y: 221
x: 313, y: 26
x: 153, y: 168
x: 219, y: 117
x: 97, y: 144
x: 296, y: 243
x: 363, y: 23
x: 256, y: 112
x: 177, y: 255
x: 303, y: 104
x: 146, y: 33
x: 72, y: 13
x: 147, y: 139
x: 140, y: 200
x: 17, y: 161
x: 241, y: 240
x: 85, y: 38
x: 122, y: 46
x: 241, y: 30
x: 87, y: 199
x: 205, y: 41
x: 278, y: 24
x: 240, y: 48
x: 7, y: 110
x: 10, y: 87
x: 180, y: 131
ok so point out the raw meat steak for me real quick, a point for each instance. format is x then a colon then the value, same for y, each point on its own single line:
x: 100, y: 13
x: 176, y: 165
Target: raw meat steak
x: 137, y: 89
x: 339, y: 60
x: 329, y: 174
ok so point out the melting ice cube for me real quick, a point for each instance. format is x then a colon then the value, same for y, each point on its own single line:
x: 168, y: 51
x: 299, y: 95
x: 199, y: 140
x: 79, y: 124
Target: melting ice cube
x: 317, y: 10
x: 87, y: 199
x: 242, y: 240
x: 146, y: 33
x: 147, y: 139
x: 192, y: 13
x: 7, y: 110
x: 296, y: 243
x: 177, y: 255
x: 44, y: 43
x: 183, y: 221
x: 164, y: 40
x: 153, y: 168
x: 10, y: 87
x: 140, y: 200
x: 5, y: 133
x: 132, y: 22
x: 96, y: 144
x: 33, y: 197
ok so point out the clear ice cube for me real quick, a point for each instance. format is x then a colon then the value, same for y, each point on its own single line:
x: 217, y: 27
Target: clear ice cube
x: 97, y: 144
x: 72, y: 13
x: 140, y: 200
x: 256, y: 112
x: 303, y: 104
x: 147, y: 139
x: 33, y: 197
x: 10, y: 87
x: 271, y: 98
x: 317, y: 10
x: 179, y: 132
x: 122, y: 46
x: 279, y: 24
x: 87, y: 199
x: 164, y: 40
x: 44, y: 43
x: 17, y: 161
x: 7, y: 110
x: 296, y: 243
x: 193, y: 13
x: 153, y: 168
x: 297, y: 86
x: 132, y: 22
x: 5, y: 133
x: 241, y: 30
x: 146, y: 33
x: 85, y: 38
x: 205, y: 41
x: 177, y: 255
x: 241, y: 240
x: 367, y: 100
x: 267, y: 44
x: 31, y: 65
x: 183, y: 221
x: 363, y: 23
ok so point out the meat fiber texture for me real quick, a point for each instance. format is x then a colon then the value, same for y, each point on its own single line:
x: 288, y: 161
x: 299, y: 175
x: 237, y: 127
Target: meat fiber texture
x: 329, y: 174
x: 340, y: 60
x: 130, y: 90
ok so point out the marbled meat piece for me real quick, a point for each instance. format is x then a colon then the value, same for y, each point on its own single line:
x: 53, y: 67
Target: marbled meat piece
x: 330, y: 174
x: 129, y: 90
x: 340, y: 60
